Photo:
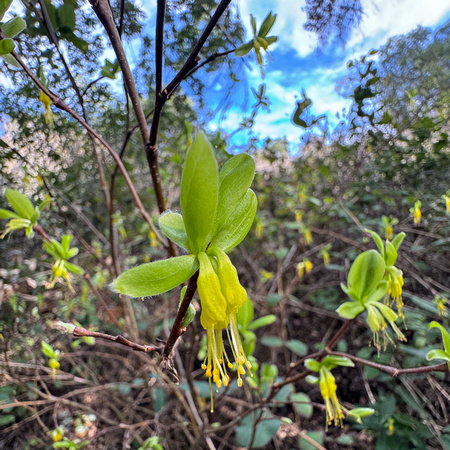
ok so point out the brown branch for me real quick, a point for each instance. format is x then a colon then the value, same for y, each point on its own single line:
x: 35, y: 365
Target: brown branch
x: 102, y: 301
x: 103, y: 12
x: 60, y: 104
x: 79, y: 332
x: 177, y: 331
x: 393, y: 371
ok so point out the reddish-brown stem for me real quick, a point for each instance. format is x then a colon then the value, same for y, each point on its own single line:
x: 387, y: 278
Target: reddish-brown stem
x: 79, y: 332
x: 177, y: 331
x: 393, y: 371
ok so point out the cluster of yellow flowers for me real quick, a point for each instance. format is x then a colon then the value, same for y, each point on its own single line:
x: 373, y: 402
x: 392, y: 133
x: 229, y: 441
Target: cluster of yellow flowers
x: 221, y: 296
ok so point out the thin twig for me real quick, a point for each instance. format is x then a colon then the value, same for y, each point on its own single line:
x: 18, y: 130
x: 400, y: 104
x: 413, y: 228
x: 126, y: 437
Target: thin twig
x: 177, y: 331
x: 79, y: 332
x: 394, y: 371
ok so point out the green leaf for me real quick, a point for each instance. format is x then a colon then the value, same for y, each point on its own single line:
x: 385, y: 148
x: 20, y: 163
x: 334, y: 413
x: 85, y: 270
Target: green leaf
x: 172, y: 225
x: 20, y: 203
x: 6, y: 46
x: 199, y: 193
x: 358, y: 413
x: 391, y: 254
x: 253, y: 23
x: 312, y: 364
x: 11, y: 60
x: 65, y: 242
x: 262, y: 322
x: 77, y: 270
x: 6, y: 214
x: 349, y: 310
x: 264, y: 432
x: 244, y: 49
x: 366, y: 272
x: 398, y: 239
x: 438, y: 354
x: 298, y: 347
x: 4, y: 5
x: 235, y: 179
x: 47, y: 350
x: 245, y: 314
x: 379, y: 291
x: 331, y: 361
x: 66, y: 18
x: 387, y: 312
x: 271, y: 341
x: 59, y: 249
x: 72, y: 252
x: 267, y: 25
x: 271, y: 39
x: 13, y: 27
x: 156, y: 277
x: 316, y: 436
x: 238, y: 224
x: 6, y: 419
x: 378, y: 241
x: 445, y: 334
x: 302, y: 404
x: 79, y: 43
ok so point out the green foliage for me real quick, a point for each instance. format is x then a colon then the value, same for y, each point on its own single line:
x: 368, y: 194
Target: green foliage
x: 260, y: 39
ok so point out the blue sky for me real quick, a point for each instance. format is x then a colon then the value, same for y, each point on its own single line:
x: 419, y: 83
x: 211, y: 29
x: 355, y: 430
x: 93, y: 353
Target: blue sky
x: 296, y: 64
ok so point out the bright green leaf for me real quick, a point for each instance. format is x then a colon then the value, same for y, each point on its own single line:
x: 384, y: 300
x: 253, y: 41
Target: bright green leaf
x: 445, y: 334
x: 199, y: 193
x: 235, y: 179
x: 312, y: 364
x: 349, y: 310
x: 156, y: 277
x: 378, y: 241
x: 379, y: 291
x: 172, y: 225
x: 47, y: 350
x: 358, y: 413
x: 20, y: 203
x: 6, y: 214
x: 366, y: 272
x: 245, y: 314
x: 331, y: 361
x: 398, y: 239
x: 391, y: 254
x: 262, y: 322
x: 238, y: 224
x: 438, y: 354
x: 77, y: 270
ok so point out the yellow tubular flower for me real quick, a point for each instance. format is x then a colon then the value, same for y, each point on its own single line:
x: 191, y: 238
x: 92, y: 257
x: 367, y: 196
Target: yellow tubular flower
x: 308, y: 236
x: 395, y: 283
x: 152, y: 238
x: 221, y: 296
x: 328, y: 388
x: 389, y: 232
